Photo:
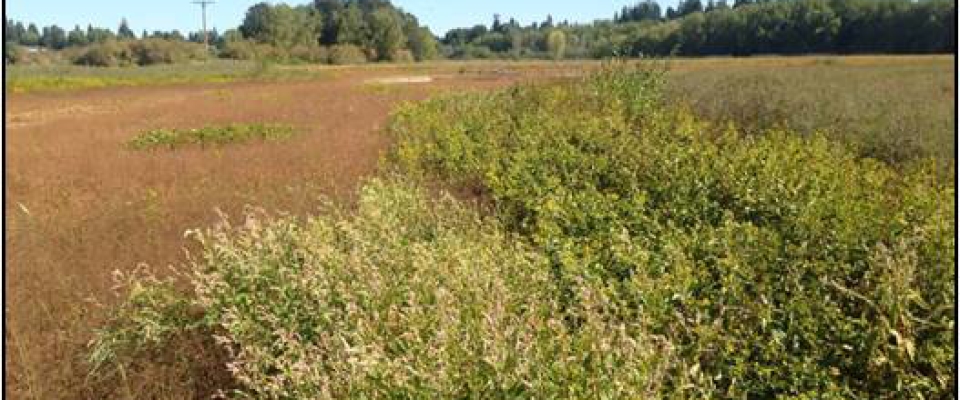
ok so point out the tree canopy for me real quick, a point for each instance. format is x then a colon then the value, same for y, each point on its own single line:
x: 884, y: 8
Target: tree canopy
x: 377, y: 30
x: 746, y: 27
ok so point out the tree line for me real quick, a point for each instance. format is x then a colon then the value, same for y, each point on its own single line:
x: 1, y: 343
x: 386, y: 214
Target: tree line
x: 350, y: 31
x: 335, y: 31
x: 54, y: 37
x: 743, y: 27
x: 375, y: 28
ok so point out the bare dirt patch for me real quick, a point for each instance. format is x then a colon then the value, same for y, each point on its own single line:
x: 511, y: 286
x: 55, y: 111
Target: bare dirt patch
x: 401, y: 80
x: 80, y: 205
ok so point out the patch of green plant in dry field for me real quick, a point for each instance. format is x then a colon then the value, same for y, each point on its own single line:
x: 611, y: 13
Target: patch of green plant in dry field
x: 632, y: 250
x: 209, y: 136
x: 776, y: 264
x: 40, y: 78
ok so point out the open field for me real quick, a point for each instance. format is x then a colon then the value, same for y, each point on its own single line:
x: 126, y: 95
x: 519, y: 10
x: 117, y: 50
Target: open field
x: 39, y: 78
x: 81, y: 205
x: 894, y: 108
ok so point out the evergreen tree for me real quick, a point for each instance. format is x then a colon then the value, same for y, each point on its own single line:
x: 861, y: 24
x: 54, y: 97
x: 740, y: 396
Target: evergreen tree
x: 77, y: 37
x: 10, y: 32
x: 31, y: 37
x: 124, y: 32
x: 53, y: 37
x: 20, y: 31
x: 548, y: 23
x: 687, y: 7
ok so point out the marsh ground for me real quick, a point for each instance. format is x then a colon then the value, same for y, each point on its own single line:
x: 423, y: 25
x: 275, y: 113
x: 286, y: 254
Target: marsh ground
x: 80, y: 205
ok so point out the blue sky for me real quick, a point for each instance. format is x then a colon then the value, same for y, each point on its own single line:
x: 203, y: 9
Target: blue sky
x: 439, y: 15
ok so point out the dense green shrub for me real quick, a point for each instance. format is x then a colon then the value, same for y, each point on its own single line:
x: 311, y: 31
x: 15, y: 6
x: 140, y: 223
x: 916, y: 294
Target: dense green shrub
x: 345, y: 54
x: 310, y: 54
x: 107, y: 54
x: 140, y: 52
x: 160, y: 51
x: 13, y: 53
x: 239, y: 50
x: 404, y: 298
x: 778, y: 265
x: 403, y: 56
x: 251, y: 50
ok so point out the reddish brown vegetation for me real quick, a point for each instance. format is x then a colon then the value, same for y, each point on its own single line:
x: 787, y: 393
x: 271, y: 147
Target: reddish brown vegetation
x: 80, y: 205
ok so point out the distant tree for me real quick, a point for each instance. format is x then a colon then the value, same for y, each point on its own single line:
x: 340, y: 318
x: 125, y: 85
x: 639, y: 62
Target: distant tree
x: 53, y: 37
x: 31, y: 37
x: 351, y: 28
x: 10, y: 32
x: 77, y: 37
x: 214, y: 36
x: 496, y: 26
x: 556, y: 44
x: 420, y: 41
x: 386, y: 34
x: 230, y: 36
x: 749, y: 27
x: 20, y: 31
x: 282, y: 25
x: 548, y: 23
x: 98, y: 35
x: 516, y: 42
x: 423, y: 44
x: 256, y: 22
x: 687, y: 7
x: 671, y: 13
x: 329, y: 11
x: 647, y: 10
x: 124, y: 32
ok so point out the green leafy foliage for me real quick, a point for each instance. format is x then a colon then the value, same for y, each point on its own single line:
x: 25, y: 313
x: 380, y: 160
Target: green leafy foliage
x: 346, y: 54
x: 213, y: 135
x: 405, y: 297
x: 749, y: 28
x: 778, y: 265
x: 153, y: 313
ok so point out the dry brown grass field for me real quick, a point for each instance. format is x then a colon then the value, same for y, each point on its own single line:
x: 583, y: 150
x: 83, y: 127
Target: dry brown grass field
x: 80, y: 205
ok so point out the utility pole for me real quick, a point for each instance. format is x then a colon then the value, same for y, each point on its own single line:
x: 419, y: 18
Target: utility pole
x: 203, y: 6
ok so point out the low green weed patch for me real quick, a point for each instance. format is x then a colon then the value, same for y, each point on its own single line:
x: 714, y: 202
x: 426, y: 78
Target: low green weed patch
x: 406, y: 297
x: 212, y: 135
x: 38, y: 78
x: 778, y: 265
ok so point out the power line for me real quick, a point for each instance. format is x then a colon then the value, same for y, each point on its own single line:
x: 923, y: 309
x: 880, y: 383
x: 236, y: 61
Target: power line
x: 203, y: 6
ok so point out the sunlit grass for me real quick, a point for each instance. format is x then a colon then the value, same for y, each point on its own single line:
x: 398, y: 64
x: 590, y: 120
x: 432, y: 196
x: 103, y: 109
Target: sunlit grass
x: 35, y: 78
